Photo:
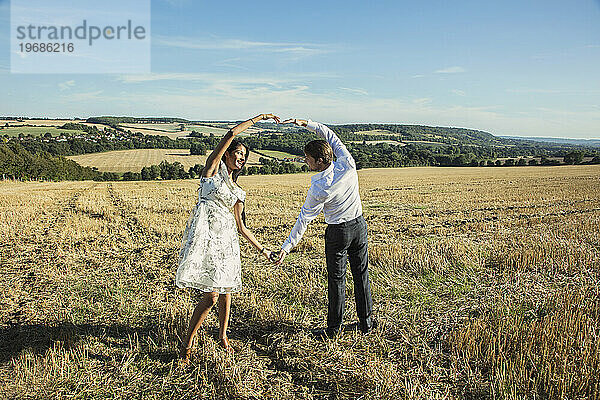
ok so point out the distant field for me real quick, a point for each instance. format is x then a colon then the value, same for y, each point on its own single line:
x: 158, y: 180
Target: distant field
x: 375, y: 132
x: 172, y: 129
x: 135, y: 160
x: 220, y: 131
x: 425, y: 142
x: 278, y: 154
x: 35, y: 131
x: 206, y: 129
x: 166, y: 127
x: 48, y: 122
x: 394, y: 142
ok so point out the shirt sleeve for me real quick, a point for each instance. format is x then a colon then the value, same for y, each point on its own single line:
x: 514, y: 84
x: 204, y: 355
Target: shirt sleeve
x: 339, y: 148
x: 311, y: 208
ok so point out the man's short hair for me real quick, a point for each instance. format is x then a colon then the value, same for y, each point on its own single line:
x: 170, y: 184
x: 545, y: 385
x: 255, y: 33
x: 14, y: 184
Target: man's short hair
x: 319, y: 149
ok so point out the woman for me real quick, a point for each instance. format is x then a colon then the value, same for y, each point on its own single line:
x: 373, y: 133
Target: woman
x: 210, y: 255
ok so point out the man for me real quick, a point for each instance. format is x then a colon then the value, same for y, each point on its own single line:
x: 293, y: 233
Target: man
x: 334, y: 190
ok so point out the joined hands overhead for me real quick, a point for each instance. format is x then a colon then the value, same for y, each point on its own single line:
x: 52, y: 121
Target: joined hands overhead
x: 262, y: 117
x: 295, y: 121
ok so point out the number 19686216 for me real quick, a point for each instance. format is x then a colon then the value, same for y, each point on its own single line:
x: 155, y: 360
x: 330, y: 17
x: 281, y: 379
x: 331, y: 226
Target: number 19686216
x: 46, y: 47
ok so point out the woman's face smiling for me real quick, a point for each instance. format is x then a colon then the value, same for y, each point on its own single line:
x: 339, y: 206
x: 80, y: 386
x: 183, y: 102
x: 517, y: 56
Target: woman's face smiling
x: 236, y: 159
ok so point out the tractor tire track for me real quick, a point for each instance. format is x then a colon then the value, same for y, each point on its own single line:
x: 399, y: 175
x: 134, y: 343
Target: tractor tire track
x: 144, y: 247
x: 21, y: 262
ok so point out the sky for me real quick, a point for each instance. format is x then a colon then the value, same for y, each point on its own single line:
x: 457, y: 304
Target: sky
x: 521, y: 68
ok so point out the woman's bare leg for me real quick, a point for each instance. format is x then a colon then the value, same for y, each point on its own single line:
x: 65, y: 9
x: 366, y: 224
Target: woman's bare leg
x: 224, y: 310
x: 200, y: 313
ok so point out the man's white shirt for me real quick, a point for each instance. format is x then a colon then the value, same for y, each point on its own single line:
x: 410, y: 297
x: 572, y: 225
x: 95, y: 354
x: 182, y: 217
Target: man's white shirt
x: 333, y: 191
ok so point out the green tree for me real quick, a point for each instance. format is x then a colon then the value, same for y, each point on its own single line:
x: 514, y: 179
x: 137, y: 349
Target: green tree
x: 154, y: 172
x: 145, y: 174
x: 573, y: 157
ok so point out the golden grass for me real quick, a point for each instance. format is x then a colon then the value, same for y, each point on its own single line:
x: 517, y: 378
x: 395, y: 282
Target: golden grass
x: 135, y: 160
x: 485, y: 284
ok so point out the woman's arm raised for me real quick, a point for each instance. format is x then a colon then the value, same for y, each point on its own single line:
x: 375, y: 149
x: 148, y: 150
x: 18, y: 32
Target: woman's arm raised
x: 214, y: 159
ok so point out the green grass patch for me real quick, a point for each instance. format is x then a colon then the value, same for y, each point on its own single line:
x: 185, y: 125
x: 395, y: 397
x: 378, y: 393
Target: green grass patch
x: 14, y: 131
x: 207, y: 130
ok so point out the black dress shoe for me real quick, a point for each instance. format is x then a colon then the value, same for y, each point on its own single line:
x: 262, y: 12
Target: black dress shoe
x: 355, y: 327
x: 324, y: 334
x: 370, y: 328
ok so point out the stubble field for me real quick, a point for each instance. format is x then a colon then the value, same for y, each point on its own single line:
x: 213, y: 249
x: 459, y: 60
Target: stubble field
x: 485, y: 285
x: 136, y: 159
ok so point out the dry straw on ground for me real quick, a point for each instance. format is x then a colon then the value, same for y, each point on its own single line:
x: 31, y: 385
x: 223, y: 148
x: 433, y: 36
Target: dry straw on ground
x: 485, y: 284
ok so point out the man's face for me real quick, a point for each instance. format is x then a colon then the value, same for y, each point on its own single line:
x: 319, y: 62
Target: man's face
x: 313, y: 165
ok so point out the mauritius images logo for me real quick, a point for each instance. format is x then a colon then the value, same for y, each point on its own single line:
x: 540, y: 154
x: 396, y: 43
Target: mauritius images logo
x: 80, y: 37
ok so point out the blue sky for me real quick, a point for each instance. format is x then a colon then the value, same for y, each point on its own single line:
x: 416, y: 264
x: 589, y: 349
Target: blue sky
x: 527, y: 68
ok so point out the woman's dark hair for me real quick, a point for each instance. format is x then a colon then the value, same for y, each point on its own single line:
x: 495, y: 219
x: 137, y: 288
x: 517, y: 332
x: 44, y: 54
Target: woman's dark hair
x: 236, y: 144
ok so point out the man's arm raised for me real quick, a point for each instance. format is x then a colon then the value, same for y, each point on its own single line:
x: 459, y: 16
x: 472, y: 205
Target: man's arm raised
x: 339, y: 148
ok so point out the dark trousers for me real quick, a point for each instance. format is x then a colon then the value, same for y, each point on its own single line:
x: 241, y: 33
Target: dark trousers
x: 347, y: 242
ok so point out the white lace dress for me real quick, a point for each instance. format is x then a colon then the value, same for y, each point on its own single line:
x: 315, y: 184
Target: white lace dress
x: 209, y: 259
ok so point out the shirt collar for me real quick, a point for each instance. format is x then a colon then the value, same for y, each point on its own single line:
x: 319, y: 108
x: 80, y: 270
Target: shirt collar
x: 323, y: 173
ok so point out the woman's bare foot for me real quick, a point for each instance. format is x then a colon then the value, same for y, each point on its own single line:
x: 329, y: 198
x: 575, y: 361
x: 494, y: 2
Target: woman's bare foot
x: 184, y: 354
x: 185, y: 351
x: 224, y: 343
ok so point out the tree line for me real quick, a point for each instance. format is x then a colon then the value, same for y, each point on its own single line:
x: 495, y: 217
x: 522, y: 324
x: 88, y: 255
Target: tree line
x: 16, y: 162
x: 29, y: 157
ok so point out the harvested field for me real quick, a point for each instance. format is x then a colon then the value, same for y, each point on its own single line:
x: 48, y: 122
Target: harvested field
x: 485, y: 283
x: 135, y: 160
x: 47, y: 122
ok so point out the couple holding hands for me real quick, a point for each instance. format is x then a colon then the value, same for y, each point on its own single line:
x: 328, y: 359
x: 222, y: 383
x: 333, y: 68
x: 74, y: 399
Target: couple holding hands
x: 209, y: 259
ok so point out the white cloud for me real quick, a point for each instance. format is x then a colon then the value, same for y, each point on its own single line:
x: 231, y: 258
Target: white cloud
x: 356, y: 91
x: 417, y: 76
x: 230, y: 63
x: 297, y: 49
x: 218, y: 78
x: 235, y: 96
x: 459, y: 92
x: 66, y: 85
x: 551, y: 91
x: 450, y: 70
x: 83, y: 96
x: 422, y: 101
